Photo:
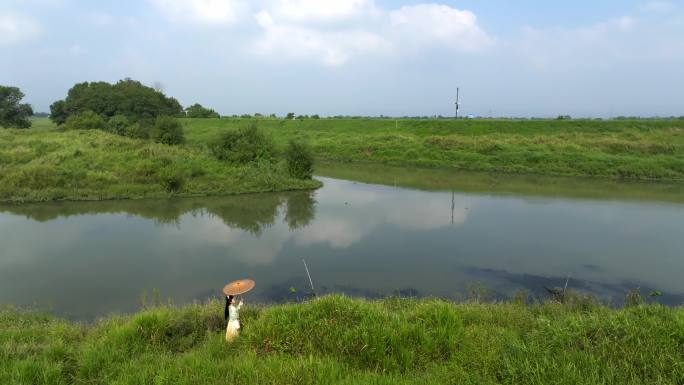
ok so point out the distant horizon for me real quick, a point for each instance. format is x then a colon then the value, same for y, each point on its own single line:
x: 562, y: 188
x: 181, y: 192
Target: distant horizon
x: 358, y: 57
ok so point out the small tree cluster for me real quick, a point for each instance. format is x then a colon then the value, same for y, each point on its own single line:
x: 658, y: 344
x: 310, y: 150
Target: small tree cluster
x: 14, y: 114
x: 127, y: 97
x: 197, y: 111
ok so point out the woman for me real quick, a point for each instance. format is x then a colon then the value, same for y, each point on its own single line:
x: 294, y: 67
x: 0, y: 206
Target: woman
x: 232, y: 314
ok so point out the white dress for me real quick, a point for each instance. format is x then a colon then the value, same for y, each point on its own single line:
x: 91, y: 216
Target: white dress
x: 233, y: 327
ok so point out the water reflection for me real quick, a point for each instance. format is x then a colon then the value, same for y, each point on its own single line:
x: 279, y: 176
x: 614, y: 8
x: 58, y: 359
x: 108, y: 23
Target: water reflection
x: 84, y: 260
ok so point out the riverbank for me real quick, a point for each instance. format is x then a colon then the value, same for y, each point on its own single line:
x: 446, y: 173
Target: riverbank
x: 626, y: 149
x: 337, y: 340
x: 46, y: 165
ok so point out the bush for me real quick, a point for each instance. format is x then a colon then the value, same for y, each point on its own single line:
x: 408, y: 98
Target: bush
x: 171, y: 178
x: 299, y: 160
x: 117, y: 125
x: 140, y: 130
x: 167, y: 130
x: 88, y: 120
x: 243, y: 146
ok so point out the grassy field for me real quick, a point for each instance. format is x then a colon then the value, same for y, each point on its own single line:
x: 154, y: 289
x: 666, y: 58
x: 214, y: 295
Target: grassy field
x: 42, y: 164
x: 634, y: 149
x: 337, y: 340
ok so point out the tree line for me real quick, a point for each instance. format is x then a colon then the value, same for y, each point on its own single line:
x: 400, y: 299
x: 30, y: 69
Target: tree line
x: 127, y: 98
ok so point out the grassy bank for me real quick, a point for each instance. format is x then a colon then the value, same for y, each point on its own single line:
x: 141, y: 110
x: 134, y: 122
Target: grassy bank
x: 444, y: 179
x: 634, y: 149
x: 337, y: 340
x: 44, y: 165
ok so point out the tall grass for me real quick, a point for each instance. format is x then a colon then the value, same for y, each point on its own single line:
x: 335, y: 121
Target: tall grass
x: 337, y: 340
x: 46, y: 165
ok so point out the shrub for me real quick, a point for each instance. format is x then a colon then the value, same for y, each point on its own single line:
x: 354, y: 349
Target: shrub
x: 167, y: 130
x: 243, y: 146
x: 88, y: 120
x: 138, y: 130
x: 117, y: 125
x: 171, y: 178
x: 299, y: 160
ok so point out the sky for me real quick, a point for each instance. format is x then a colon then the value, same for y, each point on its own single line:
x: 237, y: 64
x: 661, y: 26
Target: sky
x: 524, y: 58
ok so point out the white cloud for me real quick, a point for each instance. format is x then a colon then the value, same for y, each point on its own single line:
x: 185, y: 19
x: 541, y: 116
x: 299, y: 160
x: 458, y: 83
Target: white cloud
x: 214, y: 12
x: 317, y: 10
x: 435, y: 23
x: 310, y: 29
x: 15, y: 28
x: 329, y: 47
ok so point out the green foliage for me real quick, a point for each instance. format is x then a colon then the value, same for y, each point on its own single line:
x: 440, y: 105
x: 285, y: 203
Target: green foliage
x: 167, y: 130
x: 337, y: 340
x: 197, y: 111
x: 14, y: 114
x: 245, y: 145
x: 117, y: 124
x: 94, y: 165
x: 139, y: 130
x: 58, y: 112
x: 300, y: 160
x: 88, y: 120
x: 171, y: 178
x: 127, y: 97
x: 290, y: 116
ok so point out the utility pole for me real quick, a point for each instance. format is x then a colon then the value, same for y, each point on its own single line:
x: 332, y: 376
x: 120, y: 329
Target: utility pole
x: 457, y: 104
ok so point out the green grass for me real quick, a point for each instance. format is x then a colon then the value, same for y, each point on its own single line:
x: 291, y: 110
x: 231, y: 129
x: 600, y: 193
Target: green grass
x: 443, y: 179
x: 337, y: 340
x: 631, y: 149
x: 42, y: 164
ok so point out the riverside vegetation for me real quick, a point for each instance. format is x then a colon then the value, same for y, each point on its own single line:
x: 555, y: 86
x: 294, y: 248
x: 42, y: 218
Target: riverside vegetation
x: 95, y: 165
x: 122, y: 141
x: 629, y: 149
x: 338, y: 340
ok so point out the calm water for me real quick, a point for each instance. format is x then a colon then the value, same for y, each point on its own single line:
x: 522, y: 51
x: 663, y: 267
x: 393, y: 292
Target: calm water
x: 84, y: 260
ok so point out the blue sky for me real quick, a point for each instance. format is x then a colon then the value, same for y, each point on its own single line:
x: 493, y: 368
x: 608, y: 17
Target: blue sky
x: 510, y: 58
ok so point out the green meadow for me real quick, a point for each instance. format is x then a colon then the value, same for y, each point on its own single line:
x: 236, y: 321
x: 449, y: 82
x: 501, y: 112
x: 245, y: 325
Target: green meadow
x: 338, y: 340
x: 627, y: 149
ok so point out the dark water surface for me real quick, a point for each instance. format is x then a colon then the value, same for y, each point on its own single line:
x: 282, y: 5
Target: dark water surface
x: 88, y: 259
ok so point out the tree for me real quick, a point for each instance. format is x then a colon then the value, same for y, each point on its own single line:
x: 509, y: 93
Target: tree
x: 127, y: 97
x: 13, y: 114
x: 58, y: 113
x: 290, y: 116
x: 197, y: 111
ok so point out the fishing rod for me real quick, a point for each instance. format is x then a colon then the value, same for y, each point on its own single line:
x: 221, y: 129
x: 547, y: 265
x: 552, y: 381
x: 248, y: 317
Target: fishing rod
x: 309, y: 275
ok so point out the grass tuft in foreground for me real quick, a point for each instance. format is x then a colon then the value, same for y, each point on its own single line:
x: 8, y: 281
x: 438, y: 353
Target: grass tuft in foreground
x: 338, y: 340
